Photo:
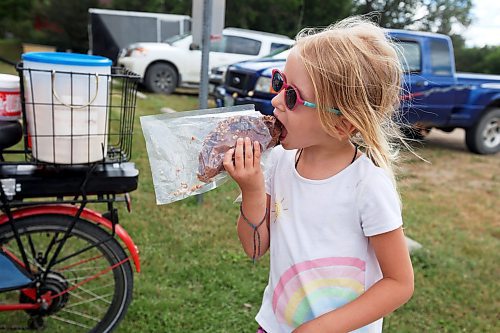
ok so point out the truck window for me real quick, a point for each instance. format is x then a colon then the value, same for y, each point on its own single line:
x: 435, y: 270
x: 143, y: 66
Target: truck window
x: 409, y: 56
x: 219, y: 44
x: 440, y: 57
x: 241, y: 45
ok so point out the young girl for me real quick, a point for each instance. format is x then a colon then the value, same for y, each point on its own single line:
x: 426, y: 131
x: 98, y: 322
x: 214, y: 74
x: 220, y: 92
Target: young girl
x: 328, y: 212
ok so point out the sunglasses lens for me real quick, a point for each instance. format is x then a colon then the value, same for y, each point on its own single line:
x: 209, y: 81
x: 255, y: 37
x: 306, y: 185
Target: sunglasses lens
x: 277, y: 81
x: 290, y: 98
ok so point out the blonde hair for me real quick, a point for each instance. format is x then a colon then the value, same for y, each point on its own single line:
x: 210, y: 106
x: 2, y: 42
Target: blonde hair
x: 355, y: 68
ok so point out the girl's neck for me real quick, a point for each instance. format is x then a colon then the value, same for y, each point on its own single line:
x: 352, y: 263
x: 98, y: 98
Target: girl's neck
x: 318, y: 162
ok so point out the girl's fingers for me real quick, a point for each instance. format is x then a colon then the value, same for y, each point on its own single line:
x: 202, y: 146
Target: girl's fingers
x: 228, y: 161
x: 244, y: 157
x: 238, y: 154
x: 248, y: 152
x: 256, y: 154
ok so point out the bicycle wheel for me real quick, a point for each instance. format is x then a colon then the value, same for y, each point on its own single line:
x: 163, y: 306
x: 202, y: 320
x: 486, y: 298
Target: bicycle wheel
x: 98, y: 304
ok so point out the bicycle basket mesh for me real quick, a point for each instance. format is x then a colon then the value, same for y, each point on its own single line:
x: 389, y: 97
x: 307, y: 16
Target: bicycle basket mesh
x: 78, y: 118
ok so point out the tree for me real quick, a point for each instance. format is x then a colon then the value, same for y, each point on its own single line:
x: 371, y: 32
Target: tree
x: 278, y: 16
x: 16, y: 18
x: 492, y: 61
x: 428, y: 15
x: 285, y: 17
x: 66, y: 23
x: 478, y: 59
x: 443, y: 14
x: 319, y: 13
x: 154, y: 6
x: 391, y: 13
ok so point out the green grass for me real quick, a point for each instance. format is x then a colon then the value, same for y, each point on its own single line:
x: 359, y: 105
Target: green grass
x: 195, y: 277
x: 7, y: 69
x: 10, y: 49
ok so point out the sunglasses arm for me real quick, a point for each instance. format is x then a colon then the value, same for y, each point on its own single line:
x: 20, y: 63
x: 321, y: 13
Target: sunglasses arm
x: 333, y: 110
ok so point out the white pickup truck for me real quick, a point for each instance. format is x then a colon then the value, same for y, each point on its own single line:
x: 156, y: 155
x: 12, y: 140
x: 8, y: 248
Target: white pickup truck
x: 166, y: 66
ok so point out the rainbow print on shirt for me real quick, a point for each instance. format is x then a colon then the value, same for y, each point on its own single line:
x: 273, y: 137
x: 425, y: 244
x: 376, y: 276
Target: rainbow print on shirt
x: 311, y: 288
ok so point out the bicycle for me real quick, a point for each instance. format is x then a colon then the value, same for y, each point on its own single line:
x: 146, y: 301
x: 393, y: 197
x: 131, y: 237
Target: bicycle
x: 63, y: 265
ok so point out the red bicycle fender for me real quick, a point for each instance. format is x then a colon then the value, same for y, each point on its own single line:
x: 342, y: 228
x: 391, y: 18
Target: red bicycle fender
x: 88, y: 215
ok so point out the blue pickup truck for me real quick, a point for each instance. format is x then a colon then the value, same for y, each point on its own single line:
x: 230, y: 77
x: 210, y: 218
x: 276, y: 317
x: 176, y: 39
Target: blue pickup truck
x: 435, y: 95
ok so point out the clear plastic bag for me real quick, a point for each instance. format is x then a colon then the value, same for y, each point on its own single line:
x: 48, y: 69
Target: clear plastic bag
x: 185, y: 148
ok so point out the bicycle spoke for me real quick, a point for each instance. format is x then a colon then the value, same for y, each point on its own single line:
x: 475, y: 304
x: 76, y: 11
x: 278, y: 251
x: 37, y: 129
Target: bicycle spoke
x: 84, y: 301
x: 80, y: 314
x: 80, y: 263
x: 101, y: 287
x: 53, y: 242
x: 82, y: 269
x: 89, y: 300
x: 77, y: 279
x: 70, y: 322
x: 31, y: 260
x: 94, y: 295
x: 32, y: 246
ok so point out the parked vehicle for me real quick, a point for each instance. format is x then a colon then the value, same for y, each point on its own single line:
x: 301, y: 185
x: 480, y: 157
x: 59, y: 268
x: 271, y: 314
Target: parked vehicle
x: 166, y: 66
x: 436, y: 97
x: 217, y: 74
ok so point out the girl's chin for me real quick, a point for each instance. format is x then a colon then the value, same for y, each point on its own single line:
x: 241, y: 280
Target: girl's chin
x: 286, y: 145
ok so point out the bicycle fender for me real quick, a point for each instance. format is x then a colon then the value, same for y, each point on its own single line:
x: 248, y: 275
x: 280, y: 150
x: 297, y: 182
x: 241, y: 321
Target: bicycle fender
x: 88, y: 215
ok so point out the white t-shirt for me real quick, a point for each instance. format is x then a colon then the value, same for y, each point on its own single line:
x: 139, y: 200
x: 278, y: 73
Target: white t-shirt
x: 320, y: 255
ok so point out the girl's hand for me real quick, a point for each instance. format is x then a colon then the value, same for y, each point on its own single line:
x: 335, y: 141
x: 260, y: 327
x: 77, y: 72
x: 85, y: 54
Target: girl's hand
x: 243, y: 165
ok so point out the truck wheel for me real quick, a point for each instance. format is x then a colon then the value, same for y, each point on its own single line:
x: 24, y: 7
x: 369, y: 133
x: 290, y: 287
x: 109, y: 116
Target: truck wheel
x: 484, y: 136
x: 161, y: 78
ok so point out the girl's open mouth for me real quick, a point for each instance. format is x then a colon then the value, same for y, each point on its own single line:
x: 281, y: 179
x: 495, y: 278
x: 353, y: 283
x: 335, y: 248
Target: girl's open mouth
x: 282, y: 129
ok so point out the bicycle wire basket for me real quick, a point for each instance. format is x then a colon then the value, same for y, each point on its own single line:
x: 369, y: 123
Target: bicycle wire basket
x: 77, y: 118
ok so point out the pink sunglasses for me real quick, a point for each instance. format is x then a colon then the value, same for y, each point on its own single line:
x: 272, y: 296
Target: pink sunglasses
x: 292, y: 96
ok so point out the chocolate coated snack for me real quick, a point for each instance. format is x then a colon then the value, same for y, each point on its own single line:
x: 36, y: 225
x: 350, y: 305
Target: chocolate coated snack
x: 264, y: 129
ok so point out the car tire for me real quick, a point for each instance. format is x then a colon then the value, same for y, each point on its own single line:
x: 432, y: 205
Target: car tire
x: 484, y: 136
x: 161, y: 78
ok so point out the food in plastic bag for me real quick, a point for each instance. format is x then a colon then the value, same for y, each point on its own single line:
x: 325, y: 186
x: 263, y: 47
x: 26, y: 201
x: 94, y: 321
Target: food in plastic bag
x: 174, y: 142
x: 262, y: 129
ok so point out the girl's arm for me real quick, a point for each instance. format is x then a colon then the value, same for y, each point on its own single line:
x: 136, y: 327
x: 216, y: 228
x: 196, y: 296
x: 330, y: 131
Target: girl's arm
x: 246, y: 171
x: 385, y: 296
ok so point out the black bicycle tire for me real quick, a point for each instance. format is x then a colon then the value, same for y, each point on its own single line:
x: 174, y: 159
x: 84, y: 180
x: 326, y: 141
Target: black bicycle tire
x: 111, y: 249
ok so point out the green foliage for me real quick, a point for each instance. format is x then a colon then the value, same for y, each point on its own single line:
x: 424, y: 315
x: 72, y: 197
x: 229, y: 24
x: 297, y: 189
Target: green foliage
x: 478, y: 59
x: 285, y: 17
x: 67, y: 23
x: 492, y: 61
x: 323, y: 13
x: 16, y: 18
x: 391, y: 13
x: 443, y: 14
x: 10, y: 49
x: 427, y: 15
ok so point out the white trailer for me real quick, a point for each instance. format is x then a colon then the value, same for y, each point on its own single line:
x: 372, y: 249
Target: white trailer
x: 110, y: 31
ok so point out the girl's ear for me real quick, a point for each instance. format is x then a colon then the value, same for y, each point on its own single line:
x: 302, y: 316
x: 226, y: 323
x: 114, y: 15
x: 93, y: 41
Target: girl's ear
x: 345, y: 129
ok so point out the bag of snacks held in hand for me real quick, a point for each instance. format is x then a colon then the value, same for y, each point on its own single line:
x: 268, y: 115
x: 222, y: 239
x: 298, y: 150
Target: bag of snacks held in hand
x: 186, y: 149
